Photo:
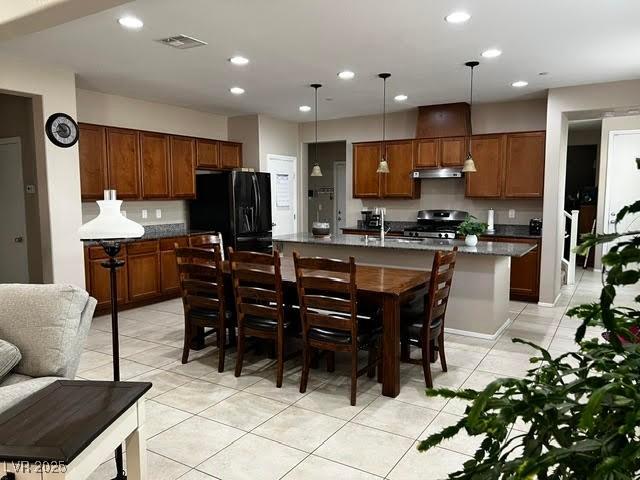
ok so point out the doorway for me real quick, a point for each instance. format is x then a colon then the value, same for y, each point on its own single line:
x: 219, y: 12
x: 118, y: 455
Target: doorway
x: 340, y: 188
x: 14, y: 260
x: 284, y: 201
x: 326, y: 201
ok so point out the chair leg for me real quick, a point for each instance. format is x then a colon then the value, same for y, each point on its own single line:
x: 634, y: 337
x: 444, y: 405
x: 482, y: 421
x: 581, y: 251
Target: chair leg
x: 306, y: 360
x: 280, y: 360
x: 187, y: 342
x: 405, y: 350
x: 240, y: 353
x: 221, y: 337
x: 331, y: 362
x: 426, y: 363
x: 443, y: 359
x: 354, y: 375
x: 373, y: 356
x: 380, y: 364
x: 434, y: 351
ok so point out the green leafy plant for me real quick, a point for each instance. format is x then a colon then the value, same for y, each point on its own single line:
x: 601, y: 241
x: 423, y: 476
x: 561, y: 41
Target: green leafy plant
x: 470, y: 226
x: 577, y: 416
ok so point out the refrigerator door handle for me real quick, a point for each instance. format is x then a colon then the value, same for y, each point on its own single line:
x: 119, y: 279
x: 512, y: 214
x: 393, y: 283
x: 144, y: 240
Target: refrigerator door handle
x: 256, y: 196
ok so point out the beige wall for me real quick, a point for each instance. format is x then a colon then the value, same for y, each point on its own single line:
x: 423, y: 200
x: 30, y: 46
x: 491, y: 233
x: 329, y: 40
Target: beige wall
x: 563, y: 103
x: 17, y: 121
x: 277, y: 137
x: 245, y: 129
x: 58, y: 175
x: 486, y: 118
x: 172, y: 211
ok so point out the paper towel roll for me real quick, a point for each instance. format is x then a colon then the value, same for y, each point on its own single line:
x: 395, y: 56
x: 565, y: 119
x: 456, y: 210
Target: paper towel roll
x: 490, y: 217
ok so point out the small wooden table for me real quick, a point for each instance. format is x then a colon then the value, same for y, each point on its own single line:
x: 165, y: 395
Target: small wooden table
x: 384, y: 286
x: 66, y: 430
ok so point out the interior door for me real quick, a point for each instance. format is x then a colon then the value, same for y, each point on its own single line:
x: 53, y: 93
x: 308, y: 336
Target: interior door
x: 339, y: 188
x: 284, y: 206
x: 623, y: 178
x: 14, y: 265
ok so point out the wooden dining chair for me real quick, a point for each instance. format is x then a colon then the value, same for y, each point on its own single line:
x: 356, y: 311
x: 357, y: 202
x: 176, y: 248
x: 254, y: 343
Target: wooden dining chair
x: 209, y: 241
x: 327, y: 294
x: 422, y: 320
x: 203, y: 296
x: 260, y: 305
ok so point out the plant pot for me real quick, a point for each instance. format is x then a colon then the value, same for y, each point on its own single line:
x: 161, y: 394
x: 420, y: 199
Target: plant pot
x: 471, y: 240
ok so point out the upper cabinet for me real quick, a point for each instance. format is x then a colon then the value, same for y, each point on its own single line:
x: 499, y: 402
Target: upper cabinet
x: 183, y: 179
x: 92, y: 147
x: 398, y: 183
x: 427, y: 152
x: 524, y: 171
x: 230, y: 155
x: 488, y: 155
x: 123, y: 154
x: 147, y: 165
x: 453, y: 151
x: 439, y: 152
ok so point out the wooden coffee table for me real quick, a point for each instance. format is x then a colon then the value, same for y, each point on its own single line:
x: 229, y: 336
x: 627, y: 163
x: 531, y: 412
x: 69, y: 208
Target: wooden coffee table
x: 66, y: 430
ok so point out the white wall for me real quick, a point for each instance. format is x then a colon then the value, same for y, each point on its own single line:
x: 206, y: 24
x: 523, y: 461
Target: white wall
x: 245, y: 129
x: 277, y: 137
x: 58, y: 173
x: 486, y: 118
x: 563, y: 103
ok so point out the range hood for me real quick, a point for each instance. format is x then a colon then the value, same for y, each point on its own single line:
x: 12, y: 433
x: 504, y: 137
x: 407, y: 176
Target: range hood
x: 455, y: 172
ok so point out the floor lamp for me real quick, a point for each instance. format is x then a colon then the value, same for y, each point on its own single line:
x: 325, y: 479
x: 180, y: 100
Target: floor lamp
x: 109, y: 228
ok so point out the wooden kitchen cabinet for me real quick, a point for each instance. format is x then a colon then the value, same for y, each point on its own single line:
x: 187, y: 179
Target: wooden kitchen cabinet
x: 439, y: 152
x: 399, y: 182
x: 123, y: 155
x: 92, y: 149
x: 453, y: 151
x: 427, y: 152
x: 98, y: 278
x: 143, y: 270
x: 169, y: 281
x: 488, y: 155
x: 183, y: 179
x: 366, y: 157
x: 230, y: 154
x: 154, y: 160
x: 524, y: 165
x: 207, y: 154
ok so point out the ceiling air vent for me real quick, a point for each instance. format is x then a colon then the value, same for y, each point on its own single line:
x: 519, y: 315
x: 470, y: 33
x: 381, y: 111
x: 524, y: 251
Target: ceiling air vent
x: 182, y: 42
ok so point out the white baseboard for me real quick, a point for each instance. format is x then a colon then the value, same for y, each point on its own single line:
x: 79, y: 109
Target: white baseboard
x: 545, y: 304
x: 484, y: 336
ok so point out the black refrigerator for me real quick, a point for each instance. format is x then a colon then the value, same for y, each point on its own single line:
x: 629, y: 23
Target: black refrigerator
x: 236, y: 204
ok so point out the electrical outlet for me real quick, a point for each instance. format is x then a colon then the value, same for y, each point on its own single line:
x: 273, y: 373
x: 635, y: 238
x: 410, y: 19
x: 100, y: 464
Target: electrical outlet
x: 158, y: 213
x: 512, y: 213
x: 144, y: 213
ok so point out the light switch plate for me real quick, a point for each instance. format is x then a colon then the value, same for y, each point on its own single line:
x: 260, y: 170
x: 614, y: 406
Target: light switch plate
x: 158, y: 213
x: 144, y: 213
x: 512, y: 213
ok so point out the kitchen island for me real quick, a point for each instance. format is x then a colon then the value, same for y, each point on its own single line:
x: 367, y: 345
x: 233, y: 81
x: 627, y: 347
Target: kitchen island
x: 479, y: 301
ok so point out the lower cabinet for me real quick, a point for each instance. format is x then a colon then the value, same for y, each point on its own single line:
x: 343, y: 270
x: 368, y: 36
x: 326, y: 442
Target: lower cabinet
x: 149, y: 274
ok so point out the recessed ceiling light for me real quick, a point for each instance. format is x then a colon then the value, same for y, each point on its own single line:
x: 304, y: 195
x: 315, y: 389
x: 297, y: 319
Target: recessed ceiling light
x: 236, y: 90
x: 457, y: 17
x: 238, y: 60
x: 304, y: 108
x: 132, y: 23
x: 542, y: 74
x: 608, y: 114
x: 520, y: 84
x: 492, y: 53
x: 346, y: 75
x: 400, y: 98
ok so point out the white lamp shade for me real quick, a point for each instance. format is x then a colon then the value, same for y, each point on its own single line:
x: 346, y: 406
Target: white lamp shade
x: 383, y: 167
x: 110, y: 224
x: 315, y: 171
x: 469, y: 165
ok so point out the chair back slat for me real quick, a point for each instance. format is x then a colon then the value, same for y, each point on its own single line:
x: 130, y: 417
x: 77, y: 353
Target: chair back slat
x: 440, y: 286
x: 201, y: 280
x: 209, y: 241
x: 257, y: 285
x: 327, y: 294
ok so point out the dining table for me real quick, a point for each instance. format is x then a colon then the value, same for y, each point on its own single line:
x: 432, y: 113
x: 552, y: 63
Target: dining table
x: 386, y: 288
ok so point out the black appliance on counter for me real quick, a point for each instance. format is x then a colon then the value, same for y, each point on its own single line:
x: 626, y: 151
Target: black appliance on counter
x: 535, y: 226
x: 436, y: 224
x: 238, y: 205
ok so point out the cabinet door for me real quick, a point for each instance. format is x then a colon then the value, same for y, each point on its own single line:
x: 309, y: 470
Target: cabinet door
x: 169, y: 282
x: 525, y: 274
x: 143, y: 274
x: 488, y: 155
x: 366, y: 182
x: 399, y: 182
x: 183, y: 174
x: 453, y: 151
x: 426, y: 152
x: 524, y: 165
x: 230, y: 155
x: 207, y: 153
x: 99, y: 279
x: 124, y: 162
x: 154, y: 153
x: 92, y: 147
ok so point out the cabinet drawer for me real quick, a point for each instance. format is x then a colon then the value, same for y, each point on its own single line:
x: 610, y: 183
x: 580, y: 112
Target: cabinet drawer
x: 137, y: 248
x: 97, y: 252
x: 169, y: 243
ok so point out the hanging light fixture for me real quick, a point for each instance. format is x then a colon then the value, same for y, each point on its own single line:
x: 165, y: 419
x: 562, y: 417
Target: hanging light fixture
x: 316, y: 171
x: 469, y: 164
x: 383, y: 166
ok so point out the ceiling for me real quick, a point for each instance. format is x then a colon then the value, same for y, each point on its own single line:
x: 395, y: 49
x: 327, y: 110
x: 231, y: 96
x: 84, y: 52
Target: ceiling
x: 292, y: 43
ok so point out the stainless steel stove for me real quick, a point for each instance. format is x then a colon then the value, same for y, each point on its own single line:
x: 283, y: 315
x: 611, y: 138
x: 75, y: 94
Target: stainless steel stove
x: 436, y: 224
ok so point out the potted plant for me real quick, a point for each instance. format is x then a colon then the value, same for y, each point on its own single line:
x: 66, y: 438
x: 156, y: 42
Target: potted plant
x: 471, y: 228
x: 576, y: 414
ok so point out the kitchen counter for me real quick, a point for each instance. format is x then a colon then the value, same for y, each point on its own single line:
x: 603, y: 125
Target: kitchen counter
x: 505, y: 249
x: 156, y: 232
x: 396, y: 229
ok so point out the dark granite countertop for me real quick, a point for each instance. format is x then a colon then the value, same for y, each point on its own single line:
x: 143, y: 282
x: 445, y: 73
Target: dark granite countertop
x: 501, y: 230
x: 156, y: 232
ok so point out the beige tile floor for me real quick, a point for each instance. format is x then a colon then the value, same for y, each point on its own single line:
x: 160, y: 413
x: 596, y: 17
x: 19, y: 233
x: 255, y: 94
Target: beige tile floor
x: 202, y: 424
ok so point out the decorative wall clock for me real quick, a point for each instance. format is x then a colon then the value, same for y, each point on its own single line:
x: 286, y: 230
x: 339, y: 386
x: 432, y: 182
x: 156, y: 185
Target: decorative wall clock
x: 62, y: 130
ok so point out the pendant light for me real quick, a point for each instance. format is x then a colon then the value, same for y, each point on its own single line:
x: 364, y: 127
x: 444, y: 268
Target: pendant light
x: 316, y: 171
x: 469, y: 164
x: 383, y: 166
